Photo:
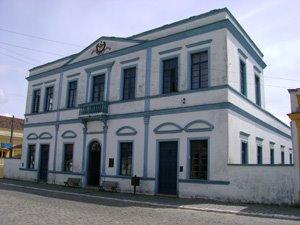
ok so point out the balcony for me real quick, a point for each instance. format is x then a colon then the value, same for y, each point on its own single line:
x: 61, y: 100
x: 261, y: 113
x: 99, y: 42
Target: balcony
x: 94, y: 108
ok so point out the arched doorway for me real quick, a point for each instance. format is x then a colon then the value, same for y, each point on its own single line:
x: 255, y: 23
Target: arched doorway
x: 94, y: 159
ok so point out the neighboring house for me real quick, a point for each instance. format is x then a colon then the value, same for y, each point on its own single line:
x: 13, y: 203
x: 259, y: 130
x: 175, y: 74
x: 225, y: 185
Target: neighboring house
x: 295, y: 117
x: 181, y: 106
x: 11, y: 129
x: 11, y: 138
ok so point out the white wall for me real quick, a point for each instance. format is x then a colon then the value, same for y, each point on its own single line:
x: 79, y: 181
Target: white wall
x: 11, y: 168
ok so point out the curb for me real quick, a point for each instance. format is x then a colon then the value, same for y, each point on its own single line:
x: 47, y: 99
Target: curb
x: 203, y: 209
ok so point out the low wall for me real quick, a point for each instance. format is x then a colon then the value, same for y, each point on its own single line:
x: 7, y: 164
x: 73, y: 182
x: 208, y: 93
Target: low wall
x: 11, y: 168
x: 249, y: 183
x: 1, y: 167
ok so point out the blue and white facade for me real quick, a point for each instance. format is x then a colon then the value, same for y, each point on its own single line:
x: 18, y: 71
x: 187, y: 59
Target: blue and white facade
x: 181, y: 106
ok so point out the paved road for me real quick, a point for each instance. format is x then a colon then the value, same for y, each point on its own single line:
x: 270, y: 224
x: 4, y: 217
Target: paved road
x: 30, y: 206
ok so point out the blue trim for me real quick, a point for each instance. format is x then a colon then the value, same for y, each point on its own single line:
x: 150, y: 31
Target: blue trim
x: 55, y: 146
x: 105, y: 128
x: 27, y: 169
x: 95, y: 132
x: 122, y: 82
x: 146, y: 141
x: 128, y: 177
x: 84, y: 153
x: 36, y: 85
x: 170, y: 50
x: 256, y: 69
x: 260, y: 165
x: 241, y: 53
x: 59, y: 96
x: 148, y: 78
x: 199, y: 43
x: 244, y: 134
x: 69, y: 134
x: 196, y: 181
x: 209, y: 127
x: 72, y: 121
x: 50, y: 81
x: 259, y: 139
x: 130, y: 60
x: 176, y: 129
x: 73, y: 75
x: 100, y: 67
x: 45, y: 135
x: 126, y: 131
x: 32, y: 136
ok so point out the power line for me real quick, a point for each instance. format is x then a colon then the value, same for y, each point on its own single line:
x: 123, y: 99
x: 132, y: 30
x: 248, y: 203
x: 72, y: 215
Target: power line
x: 27, y: 57
x: 31, y: 49
x: 41, y: 38
x: 16, y: 58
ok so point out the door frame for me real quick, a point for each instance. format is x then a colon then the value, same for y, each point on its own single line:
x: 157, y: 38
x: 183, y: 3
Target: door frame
x: 158, y: 141
x: 88, y: 160
x: 40, y: 161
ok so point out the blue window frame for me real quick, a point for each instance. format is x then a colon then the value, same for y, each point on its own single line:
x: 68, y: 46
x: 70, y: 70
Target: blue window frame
x: 199, y: 70
x: 126, y: 159
x: 36, y: 101
x: 243, y: 78
x: 257, y: 91
x: 199, y: 159
x: 68, y: 157
x: 259, y: 155
x: 49, y: 99
x: 98, y: 88
x: 272, y: 156
x: 170, y: 75
x: 72, y: 94
x: 31, y: 156
x: 129, y: 83
x: 244, y: 151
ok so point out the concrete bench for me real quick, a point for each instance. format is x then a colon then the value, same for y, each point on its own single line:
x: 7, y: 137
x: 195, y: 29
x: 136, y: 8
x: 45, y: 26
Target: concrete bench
x: 110, y: 185
x: 73, y: 182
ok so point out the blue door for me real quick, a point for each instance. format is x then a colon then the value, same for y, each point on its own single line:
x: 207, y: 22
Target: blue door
x: 167, y: 180
x: 43, y: 170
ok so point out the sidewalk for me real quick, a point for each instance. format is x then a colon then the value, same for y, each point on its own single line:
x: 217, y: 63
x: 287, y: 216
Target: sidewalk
x: 269, y: 211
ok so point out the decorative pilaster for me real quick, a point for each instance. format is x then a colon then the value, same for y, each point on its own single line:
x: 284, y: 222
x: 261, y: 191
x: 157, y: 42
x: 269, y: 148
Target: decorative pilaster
x: 146, y: 141
x: 84, y: 151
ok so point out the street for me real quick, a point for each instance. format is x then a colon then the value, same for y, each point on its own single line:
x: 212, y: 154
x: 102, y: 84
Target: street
x: 29, y: 206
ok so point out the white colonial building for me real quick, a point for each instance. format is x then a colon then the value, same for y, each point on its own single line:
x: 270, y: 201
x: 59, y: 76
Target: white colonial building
x: 180, y: 106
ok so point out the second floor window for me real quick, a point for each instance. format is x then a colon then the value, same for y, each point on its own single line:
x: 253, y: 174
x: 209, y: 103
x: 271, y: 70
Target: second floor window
x: 243, y: 77
x: 129, y: 83
x: 199, y: 70
x: 257, y: 90
x: 36, y: 101
x: 49, y: 99
x: 170, y: 75
x: 98, y: 88
x: 72, y: 94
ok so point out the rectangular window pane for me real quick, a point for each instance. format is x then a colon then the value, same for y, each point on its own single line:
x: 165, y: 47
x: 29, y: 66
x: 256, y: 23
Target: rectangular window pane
x: 49, y: 99
x: 129, y: 83
x: 31, y: 157
x: 244, y: 153
x: 199, y: 70
x: 259, y: 155
x: 126, y: 159
x: 243, y: 77
x: 72, y: 94
x: 98, y: 88
x: 170, y: 75
x: 199, y: 159
x: 36, y: 101
x: 257, y: 91
x: 272, y: 156
x: 282, y: 157
x: 68, y: 160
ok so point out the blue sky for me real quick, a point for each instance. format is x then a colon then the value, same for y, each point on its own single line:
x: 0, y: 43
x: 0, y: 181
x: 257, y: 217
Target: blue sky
x: 34, y: 32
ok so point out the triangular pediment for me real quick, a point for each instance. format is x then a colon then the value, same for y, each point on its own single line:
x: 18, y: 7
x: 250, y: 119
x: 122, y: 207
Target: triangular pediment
x: 102, y: 46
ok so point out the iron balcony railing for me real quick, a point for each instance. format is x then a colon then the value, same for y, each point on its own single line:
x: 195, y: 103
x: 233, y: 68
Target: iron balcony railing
x: 93, y: 108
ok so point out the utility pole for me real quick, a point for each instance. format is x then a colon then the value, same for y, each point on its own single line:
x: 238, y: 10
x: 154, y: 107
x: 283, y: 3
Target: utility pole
x: 11, y: 136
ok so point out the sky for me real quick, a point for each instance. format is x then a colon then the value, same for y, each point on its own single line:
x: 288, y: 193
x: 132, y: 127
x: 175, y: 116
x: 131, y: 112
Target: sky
x: 34, y: 32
